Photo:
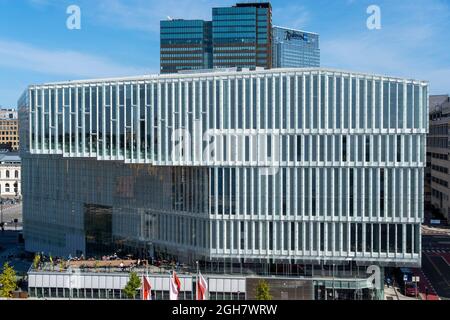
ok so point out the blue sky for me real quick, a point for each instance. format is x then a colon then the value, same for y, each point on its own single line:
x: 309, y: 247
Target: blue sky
x: 121, y: 37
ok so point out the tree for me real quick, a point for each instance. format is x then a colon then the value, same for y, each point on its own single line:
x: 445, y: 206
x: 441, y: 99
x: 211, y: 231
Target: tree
x: 62, y: 265
x: 51, y: 262
x: 8, y: 281
x: 134, y: 283
x: 263, y: 291
x: 36, y: 261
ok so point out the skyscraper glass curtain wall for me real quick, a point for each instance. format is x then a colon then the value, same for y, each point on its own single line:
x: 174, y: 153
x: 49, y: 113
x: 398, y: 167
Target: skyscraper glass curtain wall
x: 185, y: 45
x: 294, y: 48
x: 242, y: 35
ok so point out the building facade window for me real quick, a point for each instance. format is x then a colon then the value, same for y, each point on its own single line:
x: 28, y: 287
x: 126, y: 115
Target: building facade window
x: 330, y: 161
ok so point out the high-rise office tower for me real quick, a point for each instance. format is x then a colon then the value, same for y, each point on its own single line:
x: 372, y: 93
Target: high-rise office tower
x: 238, y: 36
x: 185, y: 45
x: 242, y: 35
x: 295, y: 48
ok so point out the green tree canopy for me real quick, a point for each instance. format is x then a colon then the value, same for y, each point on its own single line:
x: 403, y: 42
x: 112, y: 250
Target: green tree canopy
x: 8, y: 281
x: 134, y: 283
x: 36, y: 260
x: 263, y: 291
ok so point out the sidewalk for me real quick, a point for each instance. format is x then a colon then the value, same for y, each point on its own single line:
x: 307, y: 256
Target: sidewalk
x: 435, y: 230
x: 389, y: 293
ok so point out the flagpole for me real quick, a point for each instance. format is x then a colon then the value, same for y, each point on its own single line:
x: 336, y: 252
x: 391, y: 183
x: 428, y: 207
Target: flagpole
x: 198, y: 279
x: 147, y: 279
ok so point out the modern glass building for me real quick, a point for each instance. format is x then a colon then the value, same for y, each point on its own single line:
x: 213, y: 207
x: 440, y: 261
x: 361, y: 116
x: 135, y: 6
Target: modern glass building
x: 185, y: 45
x: 256, y: 168
x: 295, y: 48
x: 238, y: 36
x: 242, y: 35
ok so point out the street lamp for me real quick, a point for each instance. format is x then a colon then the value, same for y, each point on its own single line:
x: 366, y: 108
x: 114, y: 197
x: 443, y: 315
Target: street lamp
x: 333, y: 283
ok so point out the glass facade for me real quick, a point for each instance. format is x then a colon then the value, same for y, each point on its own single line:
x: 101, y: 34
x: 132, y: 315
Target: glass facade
x: 287, y: 165
x: 106, y: 283
x: 185, y: 45
x: 295, y: 49
x: 242, y: 35
x: 238, y: 36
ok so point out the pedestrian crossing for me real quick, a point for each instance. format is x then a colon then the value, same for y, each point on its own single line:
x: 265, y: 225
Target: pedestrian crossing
x: 424, y: 284
x: 435, y: 233
x: 436, y: 250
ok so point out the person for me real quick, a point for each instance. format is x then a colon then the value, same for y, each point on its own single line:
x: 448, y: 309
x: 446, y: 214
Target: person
x: 426, y: 293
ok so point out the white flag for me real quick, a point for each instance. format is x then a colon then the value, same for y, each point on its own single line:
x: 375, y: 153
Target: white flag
x: 202, y: 287
x: 175, y: 286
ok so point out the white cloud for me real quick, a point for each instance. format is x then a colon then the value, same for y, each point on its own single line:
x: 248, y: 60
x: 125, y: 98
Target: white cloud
x: 292, y: 16
x: 23, y: 56
x: 382, y: 58
x: 408, y: 45
x: 145, y: 15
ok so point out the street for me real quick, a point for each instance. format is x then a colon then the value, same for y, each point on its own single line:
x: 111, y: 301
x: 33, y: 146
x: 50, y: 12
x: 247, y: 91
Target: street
x: 11, y: 212
x: 13, y: 252
x: 436, y: 263
x: 10, y: 249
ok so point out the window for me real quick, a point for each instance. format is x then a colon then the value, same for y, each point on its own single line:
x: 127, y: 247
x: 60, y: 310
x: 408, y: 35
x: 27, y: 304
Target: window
x: 7, y: 173
x: 16, y: 174
x: 7, y: 187
x: 381, y: 192
x: 368, y: 145
x: 344, y: 148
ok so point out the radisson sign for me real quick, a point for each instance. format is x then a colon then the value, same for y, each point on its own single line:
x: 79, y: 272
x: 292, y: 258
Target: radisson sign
x: 289, y: 35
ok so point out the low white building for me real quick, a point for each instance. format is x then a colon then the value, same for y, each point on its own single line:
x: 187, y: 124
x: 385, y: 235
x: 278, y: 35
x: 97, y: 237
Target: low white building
x: 10, y: 176
x: 108, y: 283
